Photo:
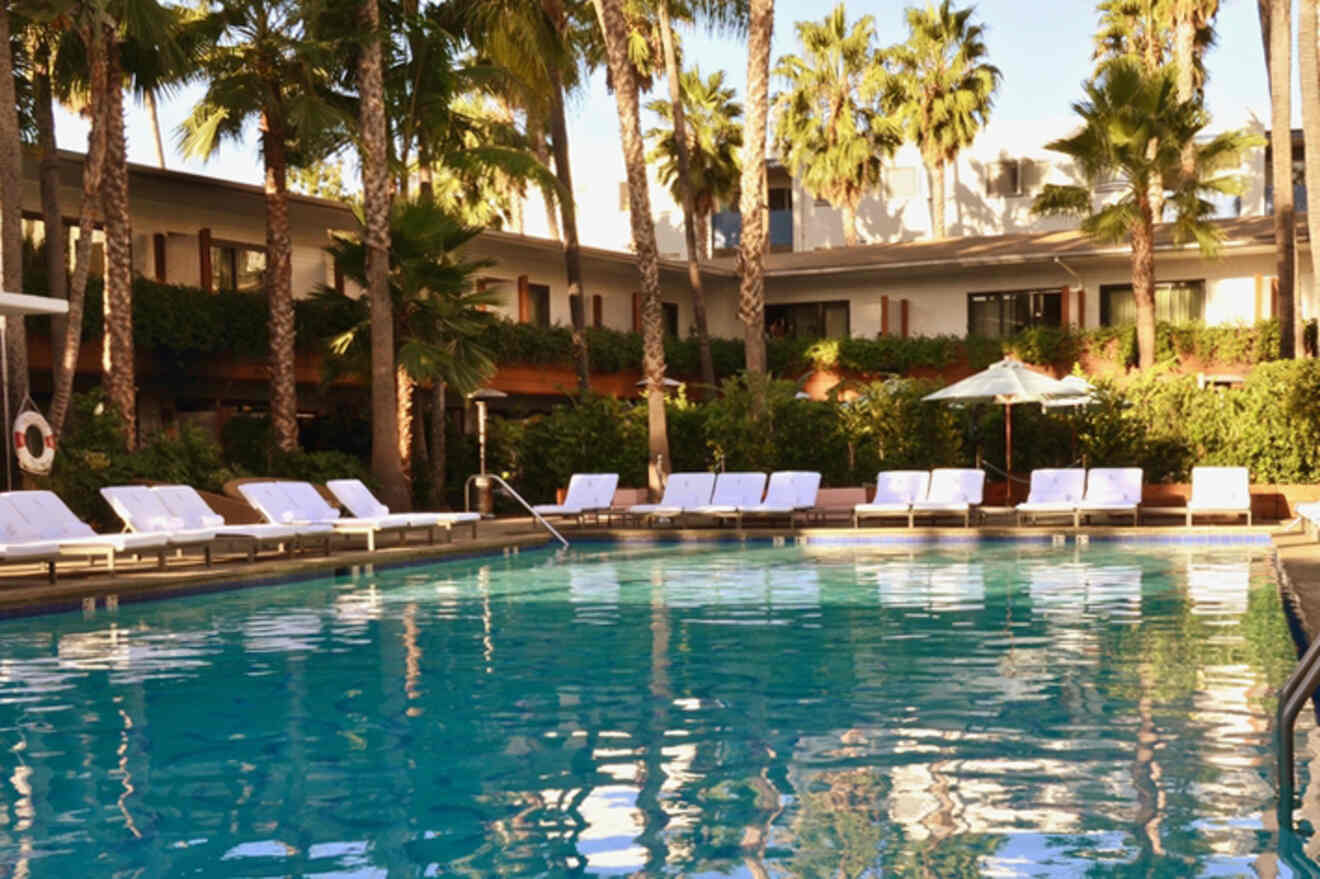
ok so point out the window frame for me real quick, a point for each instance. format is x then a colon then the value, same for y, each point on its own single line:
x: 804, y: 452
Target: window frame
x: 1002, y: 295
x: 784, y: 311
x: 1107, y: 289
x: 225, y: 244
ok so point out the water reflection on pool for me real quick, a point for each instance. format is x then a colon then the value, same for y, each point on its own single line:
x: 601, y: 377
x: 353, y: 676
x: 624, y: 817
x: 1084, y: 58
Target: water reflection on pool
x: 994, y: 709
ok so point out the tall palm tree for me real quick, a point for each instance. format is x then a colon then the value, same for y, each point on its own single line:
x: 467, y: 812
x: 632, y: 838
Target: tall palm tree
x: 944, y: 88
x: 1135, y: 129
x: 714, y: 134
x: 615, y: 32
x: 830, y: 131
x: 11, y: 213
x: 89, y: 24
x: 117, y: 366
x: 1157, y: 32
x: 373, y: 136
x: 259, y: 65
x: 753, y: 204
x: 1309, y: 66
x: 1277, y: 24
x: 43, y: 39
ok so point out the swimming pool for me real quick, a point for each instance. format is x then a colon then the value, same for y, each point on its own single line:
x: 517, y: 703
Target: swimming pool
x: 992, y: 709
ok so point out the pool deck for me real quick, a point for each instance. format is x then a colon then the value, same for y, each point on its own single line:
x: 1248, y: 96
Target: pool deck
x: 24, y: 589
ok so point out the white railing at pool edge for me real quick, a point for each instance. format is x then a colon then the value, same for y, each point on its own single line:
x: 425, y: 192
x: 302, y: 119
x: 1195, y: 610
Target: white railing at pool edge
x: 467, y: 501
x: 1293, y: 696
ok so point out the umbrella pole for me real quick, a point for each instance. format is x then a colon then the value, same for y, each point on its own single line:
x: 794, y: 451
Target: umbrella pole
x: 1008, y: 450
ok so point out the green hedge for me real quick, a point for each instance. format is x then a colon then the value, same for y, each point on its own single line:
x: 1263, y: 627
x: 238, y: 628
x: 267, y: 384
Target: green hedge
x: 1161, y: 422
x: 179, y: 323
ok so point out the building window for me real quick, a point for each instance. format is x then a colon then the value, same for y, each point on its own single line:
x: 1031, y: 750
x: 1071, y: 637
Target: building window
x: 1000, y: 315
x: 671, y: 318
x: 237, y: 267
x: 781, y: 218
x: 1175, y: 302
x: 808, y: 320
x: 1005, y: 180
x: 538, y: 301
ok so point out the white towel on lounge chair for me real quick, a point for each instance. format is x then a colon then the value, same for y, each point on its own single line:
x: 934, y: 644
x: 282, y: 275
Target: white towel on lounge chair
x: 358, y: 500
x: 185, y: 504
x: 141, y: 509
x: 1111, y: 490
x: 732, y: 490
x: 895, y: 493
x: 788, y: 493
x: 952, y: 491
x: 683, y: 491
x: 587, y: 493
x: 1225, y: 490
x: 298, y: 503
x: 52, y: 520
x: 1054, y: 491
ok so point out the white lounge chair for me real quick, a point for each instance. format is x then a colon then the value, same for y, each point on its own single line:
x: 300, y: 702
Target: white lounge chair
x: 1112, y: 490
x: 1053, y: 492
x: 1220, y: 491
x: 953, y: 491
x: 20, y: 543
x: 587, y: 493
x: 895, y: 493
x: 51, y: 520
x: 297, y: 503
x: 141, y: 510
x: 358, y: 500
x: 788, y: 493
x: 683, y: 491
x: 732, y: 490
x: 186, y: 505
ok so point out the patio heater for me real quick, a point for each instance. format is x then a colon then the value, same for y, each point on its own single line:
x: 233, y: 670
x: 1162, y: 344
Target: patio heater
x: 485, y: 497
x: 18, y: 305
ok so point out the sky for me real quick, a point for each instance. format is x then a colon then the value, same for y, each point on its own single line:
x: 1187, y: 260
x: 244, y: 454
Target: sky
x: 1042, y: 48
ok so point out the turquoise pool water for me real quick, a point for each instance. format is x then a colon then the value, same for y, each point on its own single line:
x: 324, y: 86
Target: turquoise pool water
x: 994, y: 709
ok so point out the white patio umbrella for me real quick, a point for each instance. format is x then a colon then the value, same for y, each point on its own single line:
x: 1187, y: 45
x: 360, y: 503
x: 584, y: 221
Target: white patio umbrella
x: 1080, y: 393
x: 1008, y: 382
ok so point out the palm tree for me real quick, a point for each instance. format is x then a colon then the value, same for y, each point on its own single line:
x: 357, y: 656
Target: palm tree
x: 1156, y: 32
x: 11, y: 214
x: 615, y: 32
x: 439, y: 316
x: 43, y: 38
x: 714, y: 134
x: 90, y: 25
x: 944, y: 88
x: 1309, y: 67
x: 753, y: 205
x: 117, y: 367
x: 259, y: 65
x: 1135, y: 129
x: 373, y: 137
x: 1276, y: 22
x: 543, y: 46
x: 829, y: 130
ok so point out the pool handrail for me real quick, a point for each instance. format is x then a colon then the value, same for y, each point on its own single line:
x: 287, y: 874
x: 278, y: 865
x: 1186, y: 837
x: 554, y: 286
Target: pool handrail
x: 1293, y: 695
x: 467, y: 501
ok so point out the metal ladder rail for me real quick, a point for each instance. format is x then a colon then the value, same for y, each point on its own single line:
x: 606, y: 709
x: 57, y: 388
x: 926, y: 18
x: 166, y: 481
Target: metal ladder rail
x: 467, y: 501
x: 1293, y: 696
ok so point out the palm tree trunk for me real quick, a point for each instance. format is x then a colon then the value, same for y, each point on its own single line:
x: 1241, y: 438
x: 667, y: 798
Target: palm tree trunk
x: 1309, y: 65
x: 850, y: 225
x: 439, y: 424
x: 279, y: 286
x: 11, y: 218
x: 1184, y: 53
x: 57, y: 264
x: 155, y: 127
x: 385, y: 464
x: 405, y: 385
x: 117, y: 351
x: 703, y: 234
x: 1143, y: 283
x: 614, y: 27
x: 541, y: 149
x: 753, y: 204
x: 689, y: 206
x: 935, y: 170
x: 568, y: 214
x: 1281, y: 167
x: 93, y: 171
